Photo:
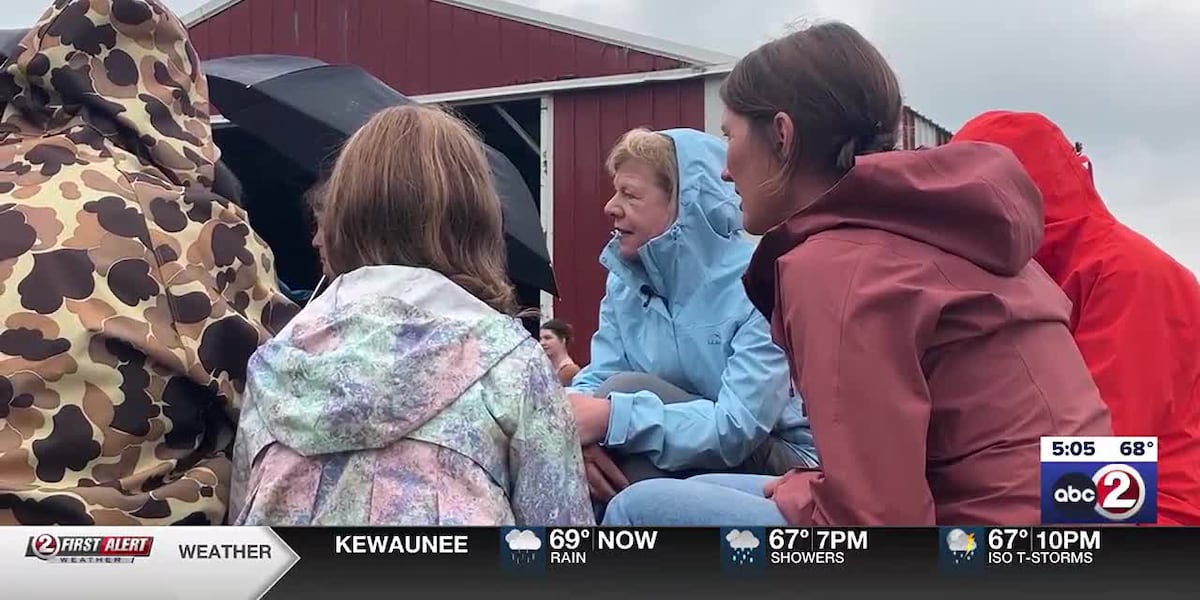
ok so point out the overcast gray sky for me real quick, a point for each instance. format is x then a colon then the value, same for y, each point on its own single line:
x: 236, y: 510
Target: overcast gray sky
x: 1113, y: 73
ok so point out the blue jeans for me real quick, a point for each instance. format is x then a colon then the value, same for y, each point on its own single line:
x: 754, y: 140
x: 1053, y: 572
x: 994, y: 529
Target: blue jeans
x: 715, y: 500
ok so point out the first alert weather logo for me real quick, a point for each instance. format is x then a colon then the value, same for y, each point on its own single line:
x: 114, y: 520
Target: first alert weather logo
x: 89, y: 548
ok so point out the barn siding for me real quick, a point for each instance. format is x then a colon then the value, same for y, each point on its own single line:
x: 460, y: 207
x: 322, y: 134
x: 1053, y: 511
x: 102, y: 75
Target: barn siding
x: 586, y: 125
x: 916, y: 131
x: 930, y: 134
x: 907, y: 130
x: 416, y: 46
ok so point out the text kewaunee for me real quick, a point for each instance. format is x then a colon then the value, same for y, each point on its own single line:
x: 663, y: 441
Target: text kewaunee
x: 401, y: 544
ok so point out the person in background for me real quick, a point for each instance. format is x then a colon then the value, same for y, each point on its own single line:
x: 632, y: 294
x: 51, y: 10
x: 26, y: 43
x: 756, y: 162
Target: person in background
x: 931, y: 352
x: 132, y: 295
x: 684, y: 377
x: 314, y: 200
x: 407, y: 393
x: 1136, y: 311
x: 554, y: 337
x: 227, y: 185
x: 312, y: 203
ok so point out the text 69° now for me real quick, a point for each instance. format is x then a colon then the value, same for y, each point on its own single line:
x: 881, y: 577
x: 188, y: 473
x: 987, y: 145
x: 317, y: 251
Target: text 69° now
x: 579, y: 546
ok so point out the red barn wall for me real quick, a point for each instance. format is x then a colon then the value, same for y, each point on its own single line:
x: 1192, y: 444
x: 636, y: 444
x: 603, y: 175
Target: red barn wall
x: 416, y: 46
x: 586, y: 125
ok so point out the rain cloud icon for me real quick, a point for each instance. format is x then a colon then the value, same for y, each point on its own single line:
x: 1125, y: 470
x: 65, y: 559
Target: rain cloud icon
x: 523, y: 545
x: 742, y: 540
x: 743, y: 544
x: 526, y: 540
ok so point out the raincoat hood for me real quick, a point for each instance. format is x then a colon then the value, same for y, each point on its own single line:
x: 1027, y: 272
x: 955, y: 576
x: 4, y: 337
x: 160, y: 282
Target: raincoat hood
x: 1061, y: 173
x: 1063, y: 176
x: 706, y: 238
x: 970, y: 200
x: 152, y: 290
x: 317, y: 384
x: 110, y: 72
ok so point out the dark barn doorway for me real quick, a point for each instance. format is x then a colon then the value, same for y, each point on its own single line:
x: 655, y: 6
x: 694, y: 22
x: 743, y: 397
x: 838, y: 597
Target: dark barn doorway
x: 515, y: 129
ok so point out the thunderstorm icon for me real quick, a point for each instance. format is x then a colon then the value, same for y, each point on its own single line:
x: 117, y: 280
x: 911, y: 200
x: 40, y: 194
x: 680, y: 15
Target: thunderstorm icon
x: 961, y: 544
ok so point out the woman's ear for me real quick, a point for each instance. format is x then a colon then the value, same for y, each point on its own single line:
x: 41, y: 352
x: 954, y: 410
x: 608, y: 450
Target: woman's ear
x: 783, y: 129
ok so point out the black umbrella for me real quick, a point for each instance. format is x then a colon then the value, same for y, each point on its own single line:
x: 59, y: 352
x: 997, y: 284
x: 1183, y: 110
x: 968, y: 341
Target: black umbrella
x: 9, y: 40
x: 306, y: 108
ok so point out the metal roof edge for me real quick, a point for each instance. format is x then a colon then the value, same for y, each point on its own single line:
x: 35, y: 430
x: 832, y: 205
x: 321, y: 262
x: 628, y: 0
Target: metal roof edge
x: 526, y: 90
x: 593, y: 31
x: 539, y: 18
x: 927, y: 119
x: 206, y: 11
x: 498, y: 93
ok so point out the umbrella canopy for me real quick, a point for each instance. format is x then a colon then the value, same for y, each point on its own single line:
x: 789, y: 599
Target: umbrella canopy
x: 305, y: 109
x: 9, y: 40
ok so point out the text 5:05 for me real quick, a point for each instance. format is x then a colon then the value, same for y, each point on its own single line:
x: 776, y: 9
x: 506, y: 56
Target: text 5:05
x: 1073, y: 448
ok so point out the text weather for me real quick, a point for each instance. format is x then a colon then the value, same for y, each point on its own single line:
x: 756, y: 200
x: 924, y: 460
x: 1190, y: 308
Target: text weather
x: 1096, y: 480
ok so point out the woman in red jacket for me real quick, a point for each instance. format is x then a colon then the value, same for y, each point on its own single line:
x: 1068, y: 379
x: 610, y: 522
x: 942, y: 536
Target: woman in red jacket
x: 1136, y: 315
x: 932, y: 353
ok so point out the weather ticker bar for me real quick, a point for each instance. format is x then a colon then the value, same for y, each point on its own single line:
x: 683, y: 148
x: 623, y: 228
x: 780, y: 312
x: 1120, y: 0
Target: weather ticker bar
x: 369, y: 562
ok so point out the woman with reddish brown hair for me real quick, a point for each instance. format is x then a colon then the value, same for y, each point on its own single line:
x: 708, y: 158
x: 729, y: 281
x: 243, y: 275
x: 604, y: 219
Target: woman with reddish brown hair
x: 407, y: 393
x: 554, y: 336
x: 931, y: 353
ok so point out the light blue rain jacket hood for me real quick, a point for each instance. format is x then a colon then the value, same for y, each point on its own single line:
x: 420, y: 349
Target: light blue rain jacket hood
x: 682, y: 314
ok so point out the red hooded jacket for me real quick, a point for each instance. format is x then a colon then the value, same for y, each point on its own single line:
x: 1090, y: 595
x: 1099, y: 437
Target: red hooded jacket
x: 931, y: 351
x: 1136, y: 310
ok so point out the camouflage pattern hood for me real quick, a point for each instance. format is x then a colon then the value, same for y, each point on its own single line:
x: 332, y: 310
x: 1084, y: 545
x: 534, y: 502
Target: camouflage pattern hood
x: 132, y: 296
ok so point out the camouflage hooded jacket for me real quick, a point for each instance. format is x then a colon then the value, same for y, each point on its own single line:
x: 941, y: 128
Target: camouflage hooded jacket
x: 131, y: 296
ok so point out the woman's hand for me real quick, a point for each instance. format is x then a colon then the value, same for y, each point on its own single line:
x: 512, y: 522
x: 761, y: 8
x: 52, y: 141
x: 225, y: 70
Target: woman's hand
x: 797, y: 485
x: 604, y: 478
x: 591, y: 417
x: 772, y: 485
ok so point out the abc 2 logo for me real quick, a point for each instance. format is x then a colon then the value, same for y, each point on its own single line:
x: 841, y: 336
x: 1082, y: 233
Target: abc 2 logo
x: 1099, y: 493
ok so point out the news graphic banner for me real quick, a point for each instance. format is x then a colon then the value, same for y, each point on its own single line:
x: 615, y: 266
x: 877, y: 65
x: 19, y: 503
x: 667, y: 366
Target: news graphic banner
x: 234, y: 563
x: 126, y: 562
x: 1099, y: 480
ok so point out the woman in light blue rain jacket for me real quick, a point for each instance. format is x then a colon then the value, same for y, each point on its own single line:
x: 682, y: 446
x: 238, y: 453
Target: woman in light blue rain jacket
x: 684, y: 377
